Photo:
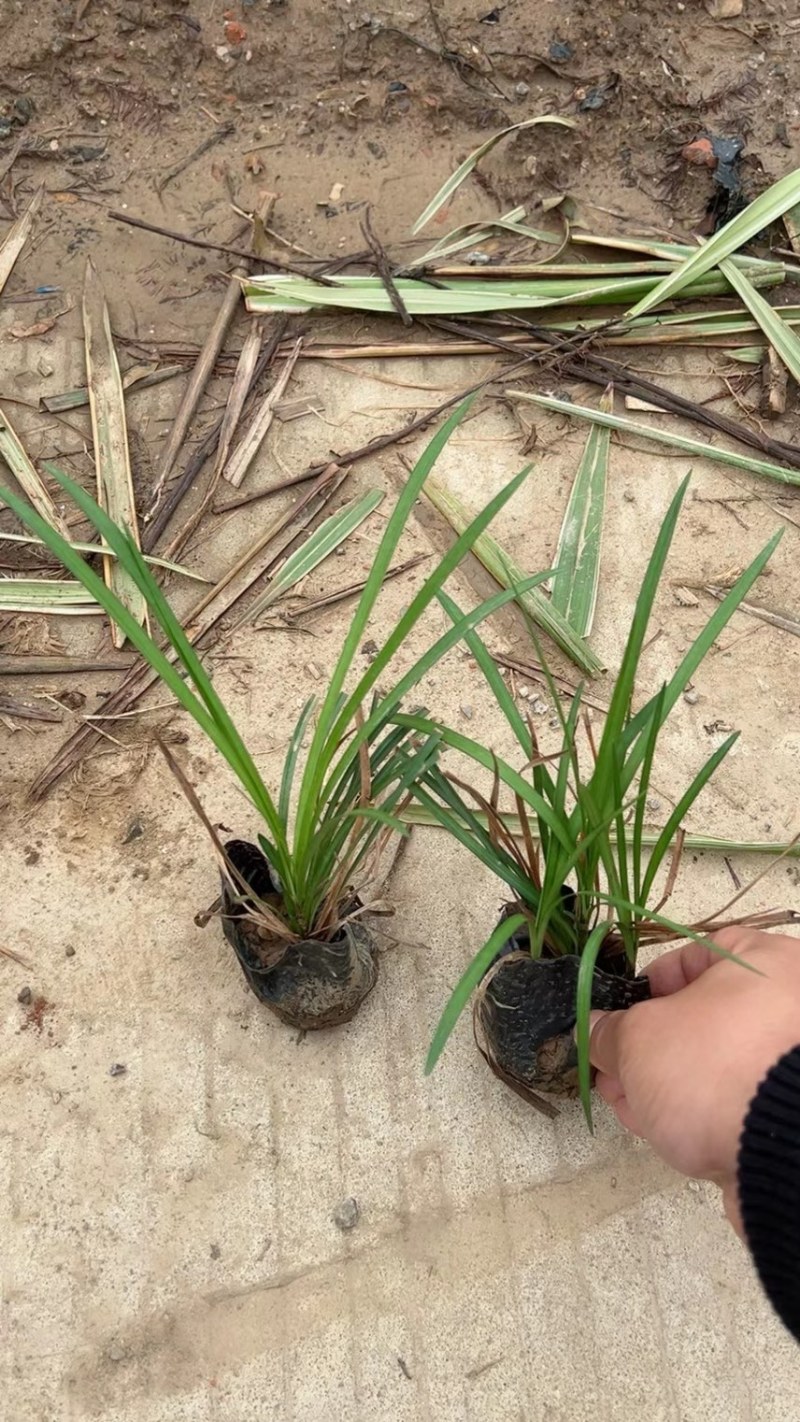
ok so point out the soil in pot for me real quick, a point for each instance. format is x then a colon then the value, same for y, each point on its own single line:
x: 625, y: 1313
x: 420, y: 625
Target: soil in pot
x: 319, y: 982
x: 524, y: 1014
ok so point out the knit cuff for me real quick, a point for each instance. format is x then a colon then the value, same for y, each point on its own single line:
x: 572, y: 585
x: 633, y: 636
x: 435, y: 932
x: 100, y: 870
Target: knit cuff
x: 769, y: 1186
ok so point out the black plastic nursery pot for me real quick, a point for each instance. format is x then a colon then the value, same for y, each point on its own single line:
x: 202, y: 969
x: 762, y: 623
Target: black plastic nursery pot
x: 311, y: 984
x: 524, y: 1013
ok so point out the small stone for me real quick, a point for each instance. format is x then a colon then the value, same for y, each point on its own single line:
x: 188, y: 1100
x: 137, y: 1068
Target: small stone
x: 135, y: 831
x: 215, y: 1251
x: 370, y: 649
x: 117, y: 1069
x: 724, y: 9
x: 346, y: 1215
x: 653, y: 805
x: 691, y: 697
x: 45, y: 368
x: 25, y: 996
x: 629, y: 496
x: 69, y: 951
x: 116, y: 1353
x: 524, y: 692
x: 466, y: 712
x: 522, y: 89
x: 538, y: 707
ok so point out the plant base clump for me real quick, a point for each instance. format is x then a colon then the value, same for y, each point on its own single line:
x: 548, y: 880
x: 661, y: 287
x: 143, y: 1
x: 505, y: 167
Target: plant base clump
x: 525, y: 1011
x: 310, y: 984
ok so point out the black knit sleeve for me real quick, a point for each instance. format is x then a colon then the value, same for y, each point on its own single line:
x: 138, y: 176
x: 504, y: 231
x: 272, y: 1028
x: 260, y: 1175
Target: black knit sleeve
x: 769, y: 1186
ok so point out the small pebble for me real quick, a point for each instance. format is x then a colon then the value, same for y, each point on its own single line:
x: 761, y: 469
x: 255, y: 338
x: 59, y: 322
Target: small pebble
x: 346, y: 1215
x: 538, y: 707
x: 115, y: 1352
x: 653, y: 805
x: 25, y: 996
x: 69, y: 951
x: 466, y: 711
x: 522, y: 89
x: 691, y: 697
x: 524, y: 692
x: 629, y: 496
x: 117, y: 1069
x: 215, y: 1251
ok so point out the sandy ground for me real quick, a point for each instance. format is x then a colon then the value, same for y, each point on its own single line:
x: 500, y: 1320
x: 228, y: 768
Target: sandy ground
x: 169, y: 1247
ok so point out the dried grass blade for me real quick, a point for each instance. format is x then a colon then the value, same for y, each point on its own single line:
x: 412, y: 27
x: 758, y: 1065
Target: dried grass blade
x: 464, y: 169
x: 199, y: 379
x: 702, y: 843
x: 27, y: 476
x: 106, y: 552
x: 574, y: 585
x: 17, y: 236
x: 775, y: 619
x: 63, y: 598
x: 506, y: 572
x: 110, y: 435
x: 674, y: 441
x: 759, y: 214
x: 137, y: 378
x: 246, y: 450
x: 242, y: 380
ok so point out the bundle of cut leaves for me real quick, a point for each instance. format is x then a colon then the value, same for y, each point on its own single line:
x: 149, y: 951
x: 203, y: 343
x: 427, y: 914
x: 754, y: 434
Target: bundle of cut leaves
x: 582, y: 884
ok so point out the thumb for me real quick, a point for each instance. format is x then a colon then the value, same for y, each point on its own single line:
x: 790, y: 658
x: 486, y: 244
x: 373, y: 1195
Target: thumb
x: 605, y: 1041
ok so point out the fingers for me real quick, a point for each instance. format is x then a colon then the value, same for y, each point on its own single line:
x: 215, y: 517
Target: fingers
x: 604, y: 1041
x: 676, y: 970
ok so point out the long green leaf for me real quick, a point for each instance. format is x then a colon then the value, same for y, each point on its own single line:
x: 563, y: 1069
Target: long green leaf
x: 467, y: 296
x: 323, y: 541
x: 467, y: 983
x: 464, y: 169
x: 574, y: 590
x: 674, y: 441
x: 784, y: 340
x: 684, y: 804
x: 507, y: 573
x: 747, y: 224
x: 619, y: 706
x: 583, y: 1007
x: 317, y: 762
x: 206, y: 709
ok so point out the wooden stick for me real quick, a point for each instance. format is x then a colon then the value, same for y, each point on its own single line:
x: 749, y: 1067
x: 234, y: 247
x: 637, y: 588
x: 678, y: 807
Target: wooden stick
x: 194, y: 390
x: 25, y: 711
x: 20, y: 664
x: 253, y: 438
x: 211, y: 246
x: 203, y: 452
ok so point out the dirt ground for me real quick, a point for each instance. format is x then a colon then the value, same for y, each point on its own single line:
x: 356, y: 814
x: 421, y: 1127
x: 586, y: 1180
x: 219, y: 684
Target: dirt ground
x: 171, y: 1156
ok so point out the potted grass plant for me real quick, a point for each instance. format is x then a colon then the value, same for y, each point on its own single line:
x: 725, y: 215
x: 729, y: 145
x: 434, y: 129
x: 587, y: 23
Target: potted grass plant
x: 290, y: 903
x: 580, y: 878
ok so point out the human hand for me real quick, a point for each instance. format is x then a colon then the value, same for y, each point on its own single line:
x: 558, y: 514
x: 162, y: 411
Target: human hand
x: 681, y: 1069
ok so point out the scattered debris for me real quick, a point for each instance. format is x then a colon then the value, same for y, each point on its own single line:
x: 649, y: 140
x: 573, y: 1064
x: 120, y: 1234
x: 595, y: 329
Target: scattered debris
x: 347, y: 1214
x: 724, y: 9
